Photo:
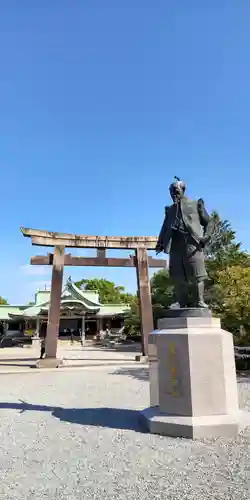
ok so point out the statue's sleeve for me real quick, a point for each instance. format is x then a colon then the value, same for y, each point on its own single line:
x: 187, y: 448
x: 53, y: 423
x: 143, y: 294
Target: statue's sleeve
x: 160, y: 242
x: 205, y: 219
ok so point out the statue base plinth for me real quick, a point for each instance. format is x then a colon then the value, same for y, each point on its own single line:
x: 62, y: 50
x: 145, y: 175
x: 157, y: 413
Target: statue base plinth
x: 188, y: 312
x: 193, y: 389
x: 212, y: 426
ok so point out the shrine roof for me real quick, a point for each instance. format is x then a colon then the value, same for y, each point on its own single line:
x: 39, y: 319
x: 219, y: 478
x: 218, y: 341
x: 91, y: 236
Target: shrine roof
x: 113, y: 310
x: 72, y: 299
x: 7, y: 309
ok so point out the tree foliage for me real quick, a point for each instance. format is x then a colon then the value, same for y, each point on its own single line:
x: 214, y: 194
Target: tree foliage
x: 162, y: 292
x: 132, y: 321
x: 222, y: 253
x: 109, y: 292
x: 234, y: 283
x: 223, y: 237
x: 3, y: 301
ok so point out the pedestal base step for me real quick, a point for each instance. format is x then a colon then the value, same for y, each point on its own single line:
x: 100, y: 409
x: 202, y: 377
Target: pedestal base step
x: 49, y: 363
x: 194, y: 427
x: 141, y: 358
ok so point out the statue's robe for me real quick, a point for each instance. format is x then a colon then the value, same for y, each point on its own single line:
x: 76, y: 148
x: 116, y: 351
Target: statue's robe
x: 185, y: 224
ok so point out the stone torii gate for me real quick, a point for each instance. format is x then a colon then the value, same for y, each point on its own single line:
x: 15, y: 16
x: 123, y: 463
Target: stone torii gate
x: 59, y: 259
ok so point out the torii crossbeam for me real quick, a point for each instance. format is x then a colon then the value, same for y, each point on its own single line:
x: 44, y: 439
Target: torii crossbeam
x: 141, y: 260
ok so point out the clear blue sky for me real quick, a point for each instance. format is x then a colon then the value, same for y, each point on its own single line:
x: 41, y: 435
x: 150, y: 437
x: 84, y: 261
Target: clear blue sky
x: 102, y: 102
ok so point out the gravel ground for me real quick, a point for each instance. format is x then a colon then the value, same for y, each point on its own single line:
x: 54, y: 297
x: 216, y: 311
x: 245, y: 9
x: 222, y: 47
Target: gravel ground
x: 71, y: 435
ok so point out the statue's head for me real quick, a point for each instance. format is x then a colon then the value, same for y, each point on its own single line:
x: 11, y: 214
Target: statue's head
x: 177, y: 189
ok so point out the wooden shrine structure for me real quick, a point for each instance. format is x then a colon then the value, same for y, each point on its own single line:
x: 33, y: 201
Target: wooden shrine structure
x: 58, y: 259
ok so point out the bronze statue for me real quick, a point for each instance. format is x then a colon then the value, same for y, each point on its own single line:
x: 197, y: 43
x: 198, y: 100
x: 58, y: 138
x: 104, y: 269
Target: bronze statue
x: 185, y: 231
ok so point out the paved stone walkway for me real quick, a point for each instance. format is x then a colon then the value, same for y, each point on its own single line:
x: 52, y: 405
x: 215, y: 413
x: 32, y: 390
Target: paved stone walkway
x: 22, y: 359
x: 73, y: 435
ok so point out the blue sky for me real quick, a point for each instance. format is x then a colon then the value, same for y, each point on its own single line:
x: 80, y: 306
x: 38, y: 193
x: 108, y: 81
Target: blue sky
x: 102, y: 102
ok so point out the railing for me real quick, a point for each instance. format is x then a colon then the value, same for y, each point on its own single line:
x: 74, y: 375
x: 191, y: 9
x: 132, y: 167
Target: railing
x: 242, y: 357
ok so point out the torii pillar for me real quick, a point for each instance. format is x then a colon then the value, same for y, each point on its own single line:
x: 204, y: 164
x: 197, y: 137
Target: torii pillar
x: 143, y: 284
x: 54, y: 311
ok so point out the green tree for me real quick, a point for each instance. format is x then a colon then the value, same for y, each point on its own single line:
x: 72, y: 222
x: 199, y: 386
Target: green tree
x: 3, y: 301
x: 132, y: 320
x: 162, y: 292
x: 234, y: 283
x: 223, y: 237
x: 109, y: 292
x: 221, y: 253
x: 162, y: 297
x: 223, y: 250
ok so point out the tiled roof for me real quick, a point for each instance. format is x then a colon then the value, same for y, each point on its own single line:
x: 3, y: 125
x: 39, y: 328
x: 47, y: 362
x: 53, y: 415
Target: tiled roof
x: 6, y: 309
x: 112, y: 310
x: 72, y: 297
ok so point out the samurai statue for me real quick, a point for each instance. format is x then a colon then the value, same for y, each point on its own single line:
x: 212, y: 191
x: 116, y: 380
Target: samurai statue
x: 186, y: 230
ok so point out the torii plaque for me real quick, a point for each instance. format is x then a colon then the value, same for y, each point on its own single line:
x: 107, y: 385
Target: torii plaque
x: 58, y: 259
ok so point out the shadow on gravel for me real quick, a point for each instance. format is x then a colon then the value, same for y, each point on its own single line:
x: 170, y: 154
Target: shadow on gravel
x: 22, y: 361
x: 19, y: 365
x: 23, y: 358
x: 112, y: 418
x: 122, y: 348
x: 140, y: 373
x: 130, y: 348
x: 104, y: 360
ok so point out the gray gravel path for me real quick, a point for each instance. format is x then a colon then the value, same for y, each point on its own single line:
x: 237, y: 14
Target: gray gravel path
x: 67, y: 436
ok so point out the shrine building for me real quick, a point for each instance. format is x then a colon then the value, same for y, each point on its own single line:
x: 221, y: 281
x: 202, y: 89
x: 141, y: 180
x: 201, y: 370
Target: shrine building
x: 80, y: 311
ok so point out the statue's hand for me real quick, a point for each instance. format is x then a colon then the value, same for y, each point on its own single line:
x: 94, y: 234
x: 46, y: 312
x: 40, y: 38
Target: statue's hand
x: 203, y: 242
x: 158, y: 249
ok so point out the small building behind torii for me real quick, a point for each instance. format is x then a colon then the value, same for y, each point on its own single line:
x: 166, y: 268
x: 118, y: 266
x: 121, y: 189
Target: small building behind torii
x: 80, y: 313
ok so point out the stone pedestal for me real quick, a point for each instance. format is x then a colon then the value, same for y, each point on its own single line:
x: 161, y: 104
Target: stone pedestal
x: 193, y: 389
